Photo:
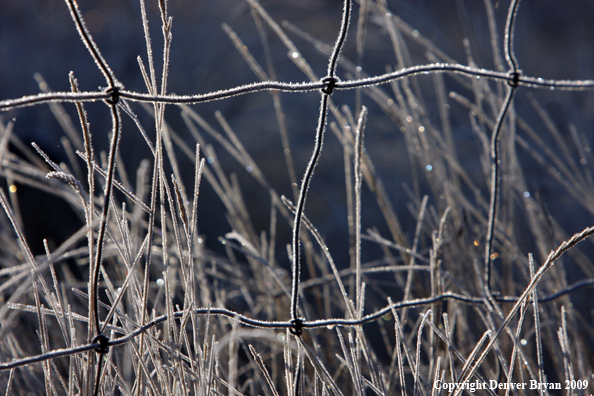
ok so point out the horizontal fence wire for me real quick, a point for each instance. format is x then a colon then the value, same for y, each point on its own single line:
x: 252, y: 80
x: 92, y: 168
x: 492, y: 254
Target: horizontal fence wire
x: 329, y: 84
x: 280, y: 325
x: 526, y: 81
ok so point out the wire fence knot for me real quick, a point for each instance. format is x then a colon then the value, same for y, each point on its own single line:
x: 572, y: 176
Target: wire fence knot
x: 330, y: 82
x: 297, y: 328
x: 114, y: 93
x: 514, y: 80
x: 103, y: 342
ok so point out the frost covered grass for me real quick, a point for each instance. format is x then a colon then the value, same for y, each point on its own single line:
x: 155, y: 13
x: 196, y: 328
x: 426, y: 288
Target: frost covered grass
x: 427, y: 258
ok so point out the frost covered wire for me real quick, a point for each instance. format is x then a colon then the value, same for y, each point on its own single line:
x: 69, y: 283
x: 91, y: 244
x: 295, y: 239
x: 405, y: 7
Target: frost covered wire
x: 327, y: 86
x: 526, y: 81
x: 112, y: 100
x: 322, y: 323
x: 94, y: 265
x: 330, y: 81
x: 495, y: 142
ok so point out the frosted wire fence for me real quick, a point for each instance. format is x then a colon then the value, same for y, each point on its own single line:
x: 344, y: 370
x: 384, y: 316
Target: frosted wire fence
x: 117, y: 98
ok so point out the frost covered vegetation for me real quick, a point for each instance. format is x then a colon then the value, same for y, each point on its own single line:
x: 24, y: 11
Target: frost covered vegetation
x: 182, y: 256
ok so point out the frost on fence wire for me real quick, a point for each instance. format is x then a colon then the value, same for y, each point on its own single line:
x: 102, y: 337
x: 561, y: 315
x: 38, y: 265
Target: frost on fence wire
x: 170, y: 198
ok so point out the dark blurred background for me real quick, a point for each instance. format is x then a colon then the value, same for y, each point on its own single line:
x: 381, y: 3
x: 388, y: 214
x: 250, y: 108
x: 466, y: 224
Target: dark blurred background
x: 553, y: 40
